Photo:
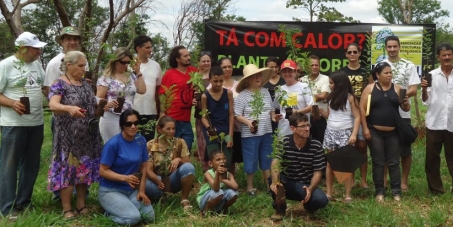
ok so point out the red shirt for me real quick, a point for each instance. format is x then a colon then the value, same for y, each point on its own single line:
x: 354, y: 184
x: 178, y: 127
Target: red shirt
x: 181, y: 106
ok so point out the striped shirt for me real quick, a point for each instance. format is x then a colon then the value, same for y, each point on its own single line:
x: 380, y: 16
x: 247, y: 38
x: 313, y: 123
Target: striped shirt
x: 299, y: 165
x: 243, y: 108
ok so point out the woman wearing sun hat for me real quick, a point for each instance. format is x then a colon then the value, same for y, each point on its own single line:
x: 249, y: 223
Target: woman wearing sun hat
x: 257, y: 147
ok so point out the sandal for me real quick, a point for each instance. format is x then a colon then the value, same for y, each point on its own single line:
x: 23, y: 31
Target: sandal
x: 79, y: 211
x: 347, y: 200
x: 70, y: 215
x: 188, y: 206
x: 252, y: 192
x: 330, y: 198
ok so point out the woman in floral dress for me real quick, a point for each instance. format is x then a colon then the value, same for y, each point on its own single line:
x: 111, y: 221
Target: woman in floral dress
x: 116, y: 83
x: 77, y: 146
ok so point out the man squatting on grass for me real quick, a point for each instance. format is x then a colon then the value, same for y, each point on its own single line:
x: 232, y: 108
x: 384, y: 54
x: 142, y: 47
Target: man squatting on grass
x: 300, y: 178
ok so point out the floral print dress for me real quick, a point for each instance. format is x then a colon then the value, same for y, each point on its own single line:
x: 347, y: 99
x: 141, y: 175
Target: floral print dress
x: 118, y: 88
x: 76, y: 149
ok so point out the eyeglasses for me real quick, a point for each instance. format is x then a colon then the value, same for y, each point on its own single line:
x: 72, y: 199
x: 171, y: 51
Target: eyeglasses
x: 304, y: 126
x: 202, y: 53
x: 352, y: 52
x: 124, y: 62
x: 129, y: 124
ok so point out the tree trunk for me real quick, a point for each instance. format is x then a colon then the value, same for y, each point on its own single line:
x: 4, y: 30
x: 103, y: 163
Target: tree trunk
x: 64, y: 18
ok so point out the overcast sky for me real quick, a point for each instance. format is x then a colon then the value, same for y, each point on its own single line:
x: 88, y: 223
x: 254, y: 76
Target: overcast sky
x: 275, y: 10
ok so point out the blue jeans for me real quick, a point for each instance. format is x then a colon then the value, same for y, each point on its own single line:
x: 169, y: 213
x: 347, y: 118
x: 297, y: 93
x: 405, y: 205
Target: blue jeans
x: 185, y: 132
x: 122, y: 206
x: 154, y: 193
x: 295, y: 191
x: 257, y: 149
x: 385, y: 148
x: 228, y: 194
x: 20, y: 151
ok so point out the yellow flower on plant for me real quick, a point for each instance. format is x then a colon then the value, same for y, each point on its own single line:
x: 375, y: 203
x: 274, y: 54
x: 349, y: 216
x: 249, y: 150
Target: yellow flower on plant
x: 292, y: 99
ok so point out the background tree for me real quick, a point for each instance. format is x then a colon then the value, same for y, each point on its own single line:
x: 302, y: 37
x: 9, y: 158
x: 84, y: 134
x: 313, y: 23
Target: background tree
x: 411, y: 11
x: 330, y: 14
x: 316, y: 8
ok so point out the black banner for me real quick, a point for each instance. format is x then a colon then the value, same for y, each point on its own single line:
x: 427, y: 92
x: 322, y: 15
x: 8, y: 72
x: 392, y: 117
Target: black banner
x: 252, y: 42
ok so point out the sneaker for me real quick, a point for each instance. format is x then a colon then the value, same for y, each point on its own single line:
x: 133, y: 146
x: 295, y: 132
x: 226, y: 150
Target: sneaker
x: 397, y: 198
x: 13, y: 216
x: 276, y: 217
x: 380, y: 198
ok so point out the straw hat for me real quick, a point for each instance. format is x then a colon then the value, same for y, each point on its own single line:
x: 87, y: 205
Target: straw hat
x: 250, y: 70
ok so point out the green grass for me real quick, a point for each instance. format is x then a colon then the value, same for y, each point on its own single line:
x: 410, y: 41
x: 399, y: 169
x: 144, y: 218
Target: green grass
x: 418, y: 206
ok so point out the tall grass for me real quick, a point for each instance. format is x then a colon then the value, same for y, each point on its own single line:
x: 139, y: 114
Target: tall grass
x: 417, y: 208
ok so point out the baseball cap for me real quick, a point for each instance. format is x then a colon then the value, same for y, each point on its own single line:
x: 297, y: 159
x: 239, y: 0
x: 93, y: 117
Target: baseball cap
x: 70, y: 30
x: 29, y: 40
x: 288, y: 64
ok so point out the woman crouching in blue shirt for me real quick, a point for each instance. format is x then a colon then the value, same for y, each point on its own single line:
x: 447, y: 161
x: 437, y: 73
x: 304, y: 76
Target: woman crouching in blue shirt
x: 120, y: 192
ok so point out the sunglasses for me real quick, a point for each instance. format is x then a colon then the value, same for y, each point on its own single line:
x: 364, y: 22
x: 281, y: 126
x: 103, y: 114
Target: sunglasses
x: 129, y: 124
x: 124, y: 62
x: 203, y: 53
x: 352, y: 52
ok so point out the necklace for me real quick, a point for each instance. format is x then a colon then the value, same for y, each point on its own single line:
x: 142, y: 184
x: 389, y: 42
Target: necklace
x: 77, y: 90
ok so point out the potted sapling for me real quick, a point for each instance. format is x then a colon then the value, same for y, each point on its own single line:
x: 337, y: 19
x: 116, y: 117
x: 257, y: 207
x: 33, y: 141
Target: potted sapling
x: 196, y: 79
x: 120, y: 101
x: 166, y: 98
x: 222, y: 138
x: 212, y: 132
x: 278, y: 150
x: 257, y: 105
x: 22, y: 82
x: 163, y: 170
x: 147, y: 128
x: 287, y: 101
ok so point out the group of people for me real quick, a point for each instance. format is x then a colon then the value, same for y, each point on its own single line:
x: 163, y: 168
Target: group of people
x: 97, y: 136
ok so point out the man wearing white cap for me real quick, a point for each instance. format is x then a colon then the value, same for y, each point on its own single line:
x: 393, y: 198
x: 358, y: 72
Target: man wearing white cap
x: 22, y: 128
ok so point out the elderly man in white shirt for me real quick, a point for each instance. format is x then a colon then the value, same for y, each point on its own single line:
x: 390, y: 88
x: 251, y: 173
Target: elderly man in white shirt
x: 439, y: 121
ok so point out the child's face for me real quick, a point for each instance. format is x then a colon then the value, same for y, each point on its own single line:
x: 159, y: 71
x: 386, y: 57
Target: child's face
x: 168, y: 130
x: 218, y: 160
x: 217, y: 82
x: 331, y: 85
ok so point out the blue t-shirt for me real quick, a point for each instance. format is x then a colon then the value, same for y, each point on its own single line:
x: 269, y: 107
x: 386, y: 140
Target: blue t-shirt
x: 123, y: 157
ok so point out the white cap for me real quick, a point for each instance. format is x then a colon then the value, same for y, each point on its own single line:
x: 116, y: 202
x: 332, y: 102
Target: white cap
x: 30, y: 40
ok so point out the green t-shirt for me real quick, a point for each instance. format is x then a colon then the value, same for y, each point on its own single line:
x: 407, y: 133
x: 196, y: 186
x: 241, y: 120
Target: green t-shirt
x: 206, y: 187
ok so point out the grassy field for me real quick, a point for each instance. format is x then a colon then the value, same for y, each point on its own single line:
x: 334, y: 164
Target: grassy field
x: 418, y: 206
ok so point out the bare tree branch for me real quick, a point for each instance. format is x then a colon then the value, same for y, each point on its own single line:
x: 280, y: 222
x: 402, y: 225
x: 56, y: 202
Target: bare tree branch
x: 64, y: 18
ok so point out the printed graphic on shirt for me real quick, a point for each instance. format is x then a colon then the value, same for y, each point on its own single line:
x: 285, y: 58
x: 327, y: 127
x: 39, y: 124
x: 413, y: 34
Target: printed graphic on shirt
x: 357, y: 84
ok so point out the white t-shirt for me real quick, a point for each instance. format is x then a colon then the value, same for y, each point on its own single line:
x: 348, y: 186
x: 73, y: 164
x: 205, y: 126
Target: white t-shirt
x: 304, y: 99
x: 9, y: 77
x: 319, y: 85
x: 405, y: 74
x: 53, y: 71
x: 152, y: 74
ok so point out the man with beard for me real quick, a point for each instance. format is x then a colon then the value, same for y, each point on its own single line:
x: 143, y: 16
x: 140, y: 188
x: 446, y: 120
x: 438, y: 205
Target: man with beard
x: 147, y: 104
x: 404, y: 74
x: 22, y: 133
x: 181, y: 106
x: 439, y: 123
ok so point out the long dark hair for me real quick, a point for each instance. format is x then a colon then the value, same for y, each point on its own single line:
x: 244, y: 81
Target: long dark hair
x: 341, y: 91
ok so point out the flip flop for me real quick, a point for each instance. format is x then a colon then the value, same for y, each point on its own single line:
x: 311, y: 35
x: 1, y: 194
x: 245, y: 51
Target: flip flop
x: 188, y: 207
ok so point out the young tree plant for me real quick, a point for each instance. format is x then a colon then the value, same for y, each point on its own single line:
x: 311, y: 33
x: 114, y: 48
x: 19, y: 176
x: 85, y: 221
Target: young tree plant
x: 257, y: 105
x: 278, y: 150
x: 166, y: 98
x: 196, y: 79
